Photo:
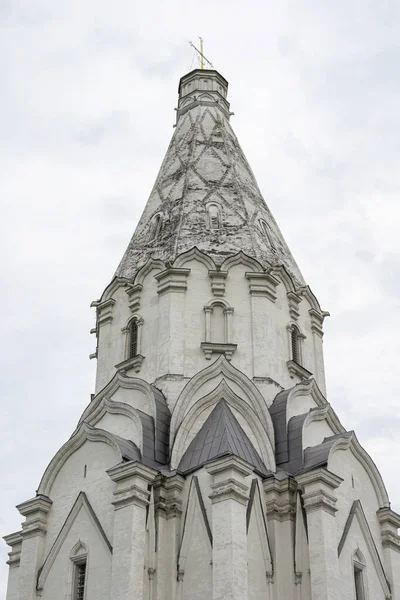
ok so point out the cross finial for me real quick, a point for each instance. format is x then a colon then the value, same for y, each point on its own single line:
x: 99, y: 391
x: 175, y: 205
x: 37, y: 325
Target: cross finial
x: 202, y: 59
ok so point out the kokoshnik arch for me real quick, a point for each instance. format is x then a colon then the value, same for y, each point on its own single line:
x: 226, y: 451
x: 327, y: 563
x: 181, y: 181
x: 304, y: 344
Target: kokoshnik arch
x: 209, y: 463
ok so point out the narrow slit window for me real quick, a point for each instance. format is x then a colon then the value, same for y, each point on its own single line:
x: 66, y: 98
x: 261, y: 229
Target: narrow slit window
x: 295, y: 345
x: 133, y: 339
x: 358, y: 580
x: 80, y: 581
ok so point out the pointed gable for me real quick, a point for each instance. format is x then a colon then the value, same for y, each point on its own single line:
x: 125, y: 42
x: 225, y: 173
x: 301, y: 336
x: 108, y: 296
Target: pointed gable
x: 220, y: 435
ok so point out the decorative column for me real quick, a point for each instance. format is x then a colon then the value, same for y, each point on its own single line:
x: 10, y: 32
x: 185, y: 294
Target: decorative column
x: 33, y: 532
x: 320, y: 506
x: 172, y: 285
x: 229, y: 500
x: 281, y: 514
x: 228, y: 312
x: 262, y: 288
x: 208, y: 311
x: 168, y: 508
x: 14, y: 557
x: 131, y: 498
x: 390, y: 523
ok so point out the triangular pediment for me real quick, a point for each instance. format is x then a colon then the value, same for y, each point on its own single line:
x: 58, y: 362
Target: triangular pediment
x: 357, y: 517
x: 81, y: 504
x: 257, y: 534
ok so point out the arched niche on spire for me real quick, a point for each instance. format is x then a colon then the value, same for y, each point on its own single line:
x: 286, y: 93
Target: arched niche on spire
x: 206, y: 380
x: 249, y: 421
x: 197, y: 255
x: 242, y: 259
x: 283, y: 275
x: 83, y: 434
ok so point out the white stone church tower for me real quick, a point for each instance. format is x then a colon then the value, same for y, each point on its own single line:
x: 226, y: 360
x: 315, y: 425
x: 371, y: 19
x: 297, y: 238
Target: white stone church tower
x: 209, y: 463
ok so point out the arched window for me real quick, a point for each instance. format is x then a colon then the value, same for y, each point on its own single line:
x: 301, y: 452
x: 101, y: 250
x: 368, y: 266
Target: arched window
x: 266, y: 231
x: 295, y: 343
x: 359, y: 575
x: 133, y: 338
x: 78, y: 557
x: 155, y: 226
x: 214, y: 216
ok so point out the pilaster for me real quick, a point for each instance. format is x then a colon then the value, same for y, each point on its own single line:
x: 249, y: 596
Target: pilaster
x: 229, y: 497
x: 262, y: 289
x: 390, y: 523
x: 281, y: 514
x: 131, y: 498
x: 320, y: 505
x: 14, y: 557
x: 172, y: 285
x: 33, y: 532
x: 168, y: 507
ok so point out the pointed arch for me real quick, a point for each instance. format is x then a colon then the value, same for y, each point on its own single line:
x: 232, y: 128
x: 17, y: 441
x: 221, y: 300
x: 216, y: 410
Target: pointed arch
x: 242, y: 259
x: 222, y: 391
x: 255, y: 510
x: 283, y: 275
x: 194, y: 254
x: 159, y: 410
x: 85, y: 433
x: 151, y: 265
x: 110, y: 290
x: 191, y: 394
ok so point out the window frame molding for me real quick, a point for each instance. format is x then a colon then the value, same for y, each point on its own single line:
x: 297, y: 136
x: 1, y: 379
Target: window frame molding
x: 132, y: 362
x: 359, y: 565
x: 296, y: 367
x: 226, y: 346
x: 77, y: 558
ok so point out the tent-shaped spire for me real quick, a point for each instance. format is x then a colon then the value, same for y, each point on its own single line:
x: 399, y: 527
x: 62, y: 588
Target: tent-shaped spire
x: 205, y: 194
x: 220, y: 435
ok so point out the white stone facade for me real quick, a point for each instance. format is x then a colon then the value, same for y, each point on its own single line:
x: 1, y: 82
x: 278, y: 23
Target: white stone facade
x: 274, y: 501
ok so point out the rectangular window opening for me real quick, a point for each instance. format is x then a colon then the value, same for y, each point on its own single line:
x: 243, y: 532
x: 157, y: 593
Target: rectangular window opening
x: 358, y: 579
x: 80, y: 580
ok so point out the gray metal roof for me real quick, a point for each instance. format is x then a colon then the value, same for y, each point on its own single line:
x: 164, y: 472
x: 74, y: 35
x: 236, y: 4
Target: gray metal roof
x: 220, y: 435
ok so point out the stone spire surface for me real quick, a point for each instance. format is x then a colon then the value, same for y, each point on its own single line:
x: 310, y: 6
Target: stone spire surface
x: 206, y: 194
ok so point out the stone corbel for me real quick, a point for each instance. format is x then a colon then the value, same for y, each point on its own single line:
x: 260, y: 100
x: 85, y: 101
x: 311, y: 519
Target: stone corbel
x: 294, y: 301
x: 296, y: 369
x: 132, y: 481
x: 173, y: 279
x: 218, y: 282
x: 105, y: 312
x: 390, y: 523
x: 134, y: 293
x: 134, y: 363
x: 167, y: 496
x: 280, y: 498
x: 210, y: 348
x: 15, y: 541
x: 263, y: 284
x: 35, y: 511
x: 317, y: 320
x: 318, y: 486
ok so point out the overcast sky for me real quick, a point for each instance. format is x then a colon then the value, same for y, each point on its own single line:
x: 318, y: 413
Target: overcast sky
x: 87, y: 95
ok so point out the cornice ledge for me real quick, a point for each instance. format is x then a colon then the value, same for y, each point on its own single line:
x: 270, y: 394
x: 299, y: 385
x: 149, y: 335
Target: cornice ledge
x: 319, y: 476
x: 124, y: 471
x: 134, y: 495
x: 131, y: 363
x: 390, y: 540
x: 172, y: 279
x: 218, y: 282
x: 388, y: 516
x: 234, y: 464
x: 263, y: 284
x: 295, y: 369
x: 229, y: 489
x: 39, y: 504
x: 210, y: 348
